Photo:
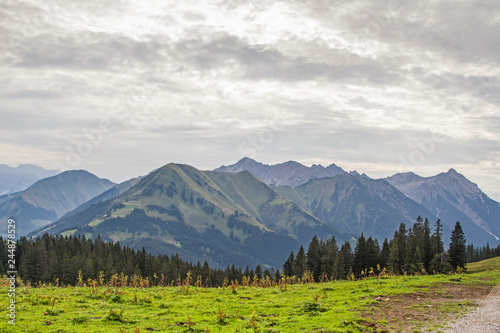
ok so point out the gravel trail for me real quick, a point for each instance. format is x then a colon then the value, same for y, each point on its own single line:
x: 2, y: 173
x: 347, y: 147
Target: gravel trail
x: 484, y: 319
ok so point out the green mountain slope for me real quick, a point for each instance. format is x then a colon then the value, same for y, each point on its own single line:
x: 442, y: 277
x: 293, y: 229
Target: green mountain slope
x: 356, y: 204
x: 222, y: 218
x: 49, y: 199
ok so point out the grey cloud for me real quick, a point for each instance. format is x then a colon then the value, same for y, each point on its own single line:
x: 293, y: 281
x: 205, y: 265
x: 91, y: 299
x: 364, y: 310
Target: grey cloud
x: 180, y: 112
x: 268, y: 64
x: 90, y: 51
x: 30, y: 94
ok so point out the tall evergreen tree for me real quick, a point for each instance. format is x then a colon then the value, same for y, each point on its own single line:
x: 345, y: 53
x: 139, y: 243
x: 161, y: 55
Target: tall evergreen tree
x: 417, y: 264
x: 397, y: 251
x: 330, y: 250
x: 288, y: 265
x: 426, y: 249
x: 339, y: 271
x: 372, y: 253
x: 300, y: 263
x: 437, y: 239
x: 360, y: 255
x: 314, y: 258
x: 384, y: 254
x: 457, y: 249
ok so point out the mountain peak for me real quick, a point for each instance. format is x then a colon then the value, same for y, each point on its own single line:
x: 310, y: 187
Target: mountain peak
x: 15, y: 179
x: 247, y: 160
x: 290, y: 173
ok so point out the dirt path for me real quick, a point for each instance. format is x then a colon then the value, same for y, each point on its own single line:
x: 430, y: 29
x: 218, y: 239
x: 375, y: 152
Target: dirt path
x: 484, y: 319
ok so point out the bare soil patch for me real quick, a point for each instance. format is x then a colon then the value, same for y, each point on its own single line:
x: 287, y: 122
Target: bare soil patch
x: 430, y: 309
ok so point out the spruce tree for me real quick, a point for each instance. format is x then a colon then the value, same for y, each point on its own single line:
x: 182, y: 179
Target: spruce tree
x: 384, y: 254
x: 373, y: 253
x: 314, y: 258
x: 300, y: 263
x: 360, y: 255
x: 330, y: 250
x: 437, y: 239
x: 457, y: 249
x: 338, y: 267
x: 426, y: 246
x: 288, y: 266
x: 417, y: 261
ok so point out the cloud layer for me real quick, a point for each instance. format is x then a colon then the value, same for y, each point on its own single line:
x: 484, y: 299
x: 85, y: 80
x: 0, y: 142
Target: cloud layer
x: 120, y: 88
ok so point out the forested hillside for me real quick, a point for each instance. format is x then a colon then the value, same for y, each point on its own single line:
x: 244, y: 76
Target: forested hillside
x: 77, y: 260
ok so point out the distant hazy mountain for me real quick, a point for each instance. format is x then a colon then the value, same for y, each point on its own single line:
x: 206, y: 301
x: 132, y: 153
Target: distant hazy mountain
x: 20, y: 178
x: 221, y: 217
x: 357, y: 204
x: 285, y: 174
x: 452, y: 197
x: 48, y: 199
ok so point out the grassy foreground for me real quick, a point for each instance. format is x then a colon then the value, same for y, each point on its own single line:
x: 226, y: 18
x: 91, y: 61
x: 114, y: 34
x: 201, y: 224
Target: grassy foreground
x: 323, y: 307
x: 485, y: 265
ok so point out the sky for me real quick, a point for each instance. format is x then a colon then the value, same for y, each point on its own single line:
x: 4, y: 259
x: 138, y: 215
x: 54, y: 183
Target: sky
x: 120, y: 88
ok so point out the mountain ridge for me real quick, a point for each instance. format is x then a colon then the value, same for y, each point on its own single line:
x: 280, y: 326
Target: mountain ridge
x: 453, y: 197
x: 16, y: 179
x: 48, y: 199
x: 288, y: 173
x: 204, y: 215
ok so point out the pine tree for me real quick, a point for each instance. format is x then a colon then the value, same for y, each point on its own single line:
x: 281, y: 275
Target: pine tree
x: 360, y: 255
x: 426, y: 246
x: 338, y: 267
x: 288, y: 266
x: 437, y: 239
x: 417, y: 261
x: 258, y: 272
x: 330, y: 250
x: 384, y: 254
x: 314, y: 258
x: 457, y: 249
x: 397, y: 251
x: 373, y: 253
x: 300, y: 263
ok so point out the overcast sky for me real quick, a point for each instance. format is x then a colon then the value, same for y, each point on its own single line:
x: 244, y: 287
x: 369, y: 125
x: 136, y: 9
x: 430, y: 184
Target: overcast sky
x: 120, y: 87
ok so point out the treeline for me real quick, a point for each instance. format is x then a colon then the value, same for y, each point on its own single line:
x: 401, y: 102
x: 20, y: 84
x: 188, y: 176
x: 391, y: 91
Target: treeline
x: 414, y: 250
x: 475, y: 254
x: 76, y: 260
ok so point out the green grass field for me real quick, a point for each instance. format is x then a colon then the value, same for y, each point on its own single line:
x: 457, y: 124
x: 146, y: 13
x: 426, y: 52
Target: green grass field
x: 322, y: 307
x: 485, y: 265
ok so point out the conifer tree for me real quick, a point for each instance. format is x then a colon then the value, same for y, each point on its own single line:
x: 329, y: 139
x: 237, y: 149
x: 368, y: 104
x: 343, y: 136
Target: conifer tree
x: 417, y: 261
x: 339, y: 271
x: 314, y: 258
x: 437, y: 239
x: 384, y: 254
x: 288, y: 266
x: 457, y: 249
x: 300, y: 263
x: 258, y: 272
x: 426, y: 246
x: 330, y: 250
x: 373, y: 253
x: 360, y: 255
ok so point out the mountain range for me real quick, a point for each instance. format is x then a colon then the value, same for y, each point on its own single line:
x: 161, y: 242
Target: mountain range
x: 48, y: 199
x: 233, y: 215
x: 453, y: 198
x: 290, y: 173
x: 17, y: 179
x: 356, y: 204
x: 219, y: 217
